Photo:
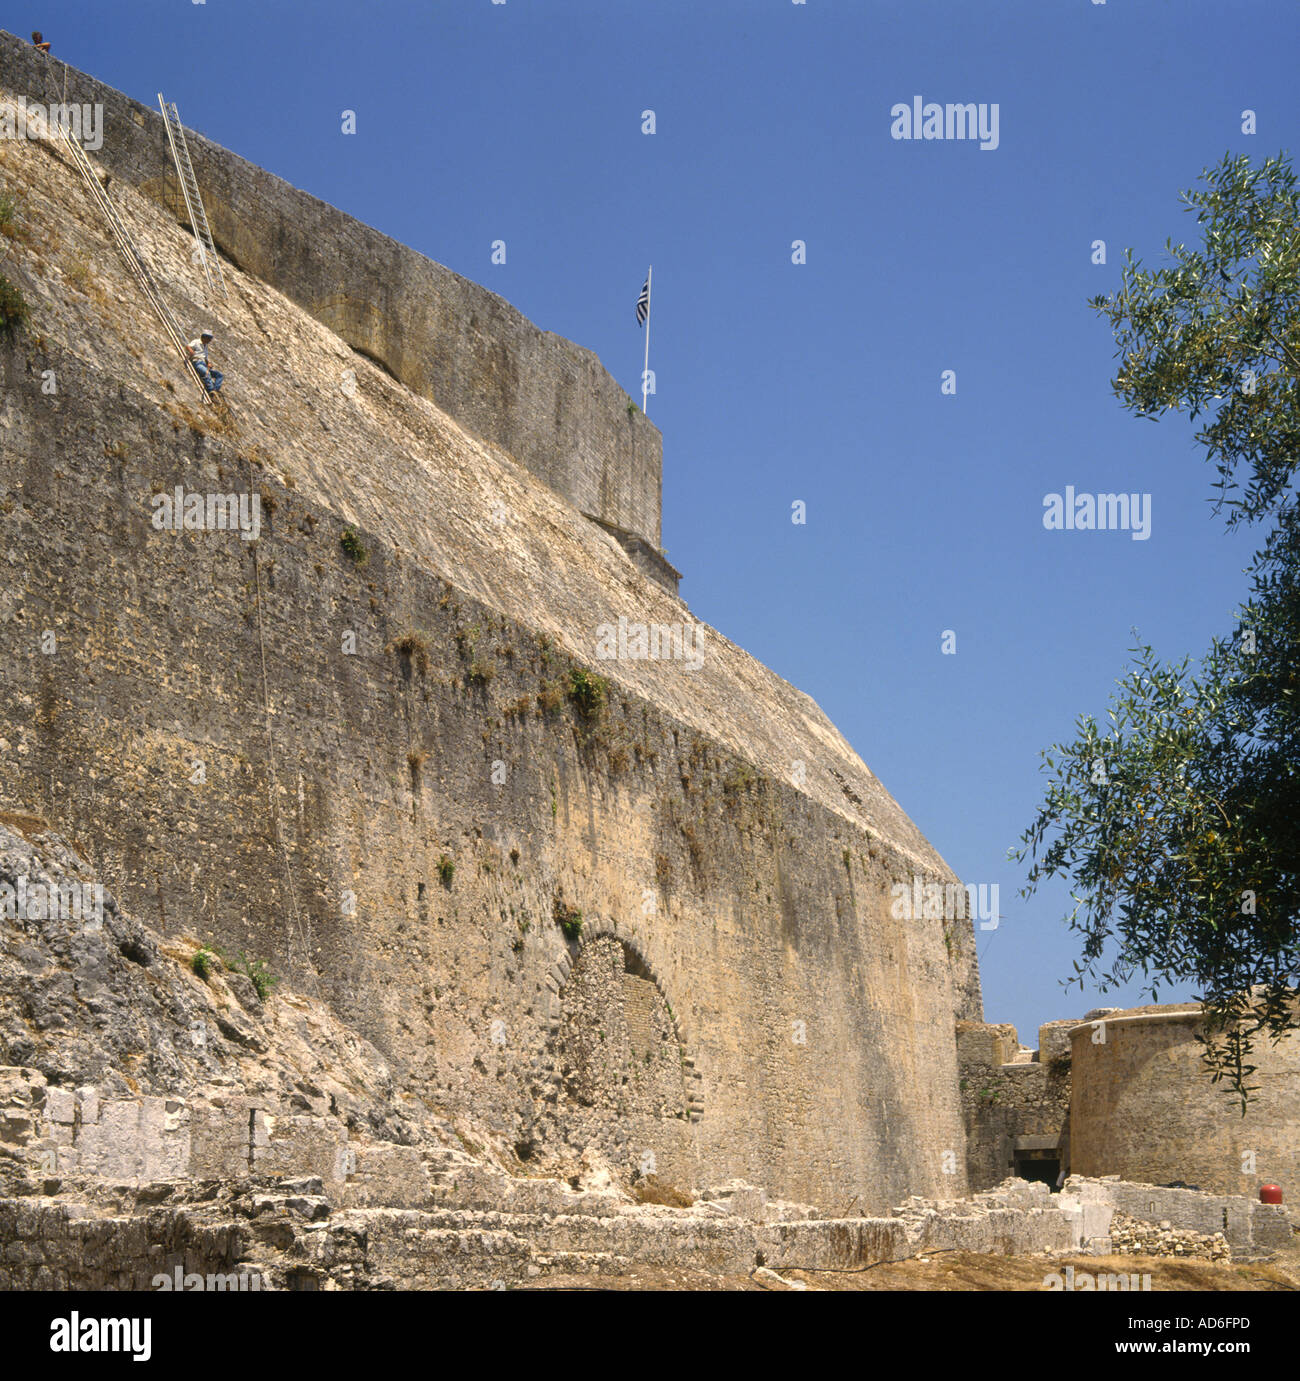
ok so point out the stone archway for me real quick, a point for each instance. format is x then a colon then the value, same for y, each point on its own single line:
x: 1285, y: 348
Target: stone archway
x: 617, y: 1041
x: 620, y: 1077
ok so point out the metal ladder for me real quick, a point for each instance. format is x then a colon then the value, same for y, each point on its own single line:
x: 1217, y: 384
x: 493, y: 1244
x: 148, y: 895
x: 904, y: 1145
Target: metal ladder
x: 134, y: 260
x: 193, y: 201
x: 126, y: 245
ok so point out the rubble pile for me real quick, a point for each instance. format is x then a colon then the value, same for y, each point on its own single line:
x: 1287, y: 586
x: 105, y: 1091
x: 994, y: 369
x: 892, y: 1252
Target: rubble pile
x: 1130, y: 1237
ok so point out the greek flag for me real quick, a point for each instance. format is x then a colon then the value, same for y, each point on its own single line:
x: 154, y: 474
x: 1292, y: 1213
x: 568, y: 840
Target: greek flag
x: 643, y: 304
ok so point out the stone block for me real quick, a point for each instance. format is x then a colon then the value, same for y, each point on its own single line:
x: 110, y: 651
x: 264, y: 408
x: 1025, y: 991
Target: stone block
x: 386, y: 1174
x: 302, y: 1146
x: 1270, y: 1227
x: 88, y: 1099
x: 17, y: 1127
x: 1054, y: 1040
x: 219, y: 1142
x: 831, y: 1243
x: 737, y: 1197
x: 60, y: 1106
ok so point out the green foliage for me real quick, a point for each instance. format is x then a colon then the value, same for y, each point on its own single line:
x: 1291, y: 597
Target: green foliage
x: 446, y: 870
x: 353, y: 547
x: 739, y: 778
x: 202, y: 962
x: 1178, y: 827
x: 8, y: 212
x: 568, y: 918
x: 255, y: 970
x: 77, y: 271
x: 13, y: 307
x: 1190, y: 336
x: 588, y: 692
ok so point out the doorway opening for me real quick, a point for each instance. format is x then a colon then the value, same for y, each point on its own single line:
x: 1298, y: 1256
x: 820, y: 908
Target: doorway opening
x: 1043, y: 1167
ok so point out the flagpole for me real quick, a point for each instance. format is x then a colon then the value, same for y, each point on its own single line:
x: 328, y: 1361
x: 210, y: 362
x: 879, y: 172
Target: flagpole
x: 645, y: 373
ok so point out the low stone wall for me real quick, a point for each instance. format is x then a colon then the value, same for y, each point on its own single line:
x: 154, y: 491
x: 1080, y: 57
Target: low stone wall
x: 1252, y: 1229
x: 475, y: 1228
x: 1015, y: 1218
x: 49, y: 1246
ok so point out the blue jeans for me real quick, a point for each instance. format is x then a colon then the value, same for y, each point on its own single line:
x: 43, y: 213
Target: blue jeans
x: 211, y: 377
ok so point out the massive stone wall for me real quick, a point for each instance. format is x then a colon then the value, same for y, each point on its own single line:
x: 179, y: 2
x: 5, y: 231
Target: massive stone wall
x: 546, y: 401
x: 366, y: 763
x: 378, y: 862
x: 1015, y: 1102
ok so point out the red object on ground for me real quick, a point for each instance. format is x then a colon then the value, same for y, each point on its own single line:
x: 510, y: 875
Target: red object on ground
x: 1270, y: 1193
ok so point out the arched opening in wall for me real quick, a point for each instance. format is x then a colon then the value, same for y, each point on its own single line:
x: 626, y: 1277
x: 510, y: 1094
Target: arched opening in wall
x: 617, y: 1042
x: 619, y: 1071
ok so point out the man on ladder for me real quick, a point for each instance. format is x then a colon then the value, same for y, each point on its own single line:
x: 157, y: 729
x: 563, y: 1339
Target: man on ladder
x: 199, y: 359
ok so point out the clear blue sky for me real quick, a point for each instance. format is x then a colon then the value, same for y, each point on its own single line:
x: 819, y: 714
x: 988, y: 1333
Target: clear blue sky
x: 819, y: 382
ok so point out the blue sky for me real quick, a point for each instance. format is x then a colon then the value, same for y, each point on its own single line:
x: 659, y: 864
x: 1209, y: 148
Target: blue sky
x: 817, y: 382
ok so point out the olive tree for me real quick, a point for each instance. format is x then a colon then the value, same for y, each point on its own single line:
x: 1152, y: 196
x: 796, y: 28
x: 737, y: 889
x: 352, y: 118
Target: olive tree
x: 1176, y: 822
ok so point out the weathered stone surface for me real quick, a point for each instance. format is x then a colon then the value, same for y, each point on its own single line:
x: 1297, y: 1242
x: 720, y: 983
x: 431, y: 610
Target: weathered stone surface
x: 702, y: 821
x: 540, y: 953
x: 1250, y: 1229
x: 546, y: 401
x: 1145, y: 1108
x: 1009, y: 1104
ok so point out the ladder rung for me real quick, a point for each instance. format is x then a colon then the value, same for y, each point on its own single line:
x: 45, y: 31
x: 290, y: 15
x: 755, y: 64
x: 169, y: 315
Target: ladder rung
x: 190, y: 191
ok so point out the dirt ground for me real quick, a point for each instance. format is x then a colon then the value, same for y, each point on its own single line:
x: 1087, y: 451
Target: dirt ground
x: 961, y: 1271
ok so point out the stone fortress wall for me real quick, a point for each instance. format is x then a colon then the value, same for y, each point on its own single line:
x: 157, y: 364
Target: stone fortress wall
x: 411, y: 828
x: 1015, y: 1102
x: 1123, y: 1093
x: 650, y: 935
x: 1144, y: 1108
x: 546, y: 401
